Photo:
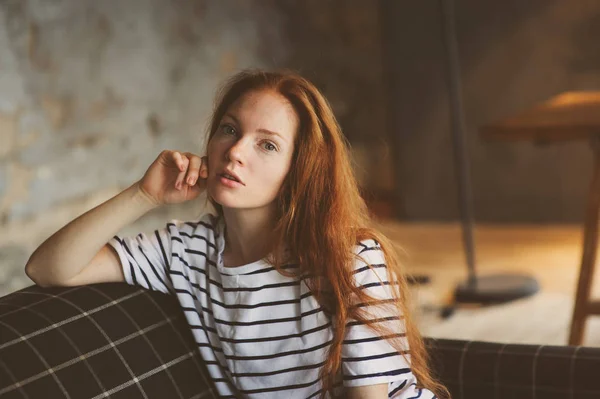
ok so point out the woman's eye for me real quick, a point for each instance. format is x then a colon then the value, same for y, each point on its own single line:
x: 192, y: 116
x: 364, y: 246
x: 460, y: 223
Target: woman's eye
x: 227, y: 129
x: 270, y: 147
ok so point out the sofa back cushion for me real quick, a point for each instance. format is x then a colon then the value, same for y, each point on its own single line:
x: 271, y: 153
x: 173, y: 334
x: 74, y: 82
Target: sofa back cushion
x: 117, y: 340
x: 492, y: 370
x: 100, y: 340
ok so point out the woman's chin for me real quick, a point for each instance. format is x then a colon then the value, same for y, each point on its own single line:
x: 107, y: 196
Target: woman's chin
x: 224, y: 199
x: 231, y: 199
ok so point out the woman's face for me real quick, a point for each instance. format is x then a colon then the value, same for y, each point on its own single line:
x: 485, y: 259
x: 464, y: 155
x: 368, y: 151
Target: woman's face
x: 255, y: 142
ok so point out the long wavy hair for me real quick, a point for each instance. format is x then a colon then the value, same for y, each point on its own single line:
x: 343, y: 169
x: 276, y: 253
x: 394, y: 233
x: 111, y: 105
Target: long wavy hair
x: 322, y: 217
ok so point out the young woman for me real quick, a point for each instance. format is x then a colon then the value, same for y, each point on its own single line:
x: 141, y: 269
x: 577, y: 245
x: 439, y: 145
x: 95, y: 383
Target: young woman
x: 287, y: 289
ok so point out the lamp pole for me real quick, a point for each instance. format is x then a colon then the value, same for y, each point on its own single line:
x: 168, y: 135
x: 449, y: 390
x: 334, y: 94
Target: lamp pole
x: 476, y: 289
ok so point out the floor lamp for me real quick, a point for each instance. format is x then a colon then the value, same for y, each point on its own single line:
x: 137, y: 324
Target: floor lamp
x: 476, y: 289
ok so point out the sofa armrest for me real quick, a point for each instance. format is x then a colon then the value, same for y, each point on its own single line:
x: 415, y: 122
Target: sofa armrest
x: 87, y: 341
x: 493, y: 370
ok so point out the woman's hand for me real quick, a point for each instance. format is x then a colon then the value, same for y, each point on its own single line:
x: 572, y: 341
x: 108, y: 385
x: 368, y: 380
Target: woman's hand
x: 174, y: 177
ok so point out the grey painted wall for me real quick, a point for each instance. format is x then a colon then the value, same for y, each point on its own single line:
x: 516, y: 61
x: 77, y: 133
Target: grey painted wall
x: 92, y: 91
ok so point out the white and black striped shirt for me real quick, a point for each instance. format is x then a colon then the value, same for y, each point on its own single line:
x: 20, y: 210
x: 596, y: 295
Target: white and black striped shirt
x: 261, y: 334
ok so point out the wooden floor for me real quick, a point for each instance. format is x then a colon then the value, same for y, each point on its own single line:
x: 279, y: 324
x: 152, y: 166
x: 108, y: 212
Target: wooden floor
x: 550, y: 253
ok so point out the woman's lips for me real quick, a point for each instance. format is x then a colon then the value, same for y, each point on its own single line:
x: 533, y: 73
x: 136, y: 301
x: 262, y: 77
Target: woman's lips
x: 229, y: 183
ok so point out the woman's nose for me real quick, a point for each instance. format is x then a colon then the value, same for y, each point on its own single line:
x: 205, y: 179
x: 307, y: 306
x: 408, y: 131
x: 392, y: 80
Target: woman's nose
x: 236, y: 151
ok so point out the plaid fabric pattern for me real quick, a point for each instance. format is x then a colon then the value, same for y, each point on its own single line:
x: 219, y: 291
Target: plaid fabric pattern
x: 120, y: 341
x: 475, y: 370
x: 97, y: 341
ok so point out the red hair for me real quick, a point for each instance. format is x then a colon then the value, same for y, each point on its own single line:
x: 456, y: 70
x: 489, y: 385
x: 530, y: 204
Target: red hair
x: 322, y: 217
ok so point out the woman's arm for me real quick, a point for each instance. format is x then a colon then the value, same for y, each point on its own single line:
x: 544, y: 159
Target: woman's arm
x: 68, y: 251
x: 368, y: 392
x: 80, y: 246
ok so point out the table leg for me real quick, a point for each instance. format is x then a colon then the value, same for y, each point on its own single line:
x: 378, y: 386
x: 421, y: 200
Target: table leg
x: 588, y: 259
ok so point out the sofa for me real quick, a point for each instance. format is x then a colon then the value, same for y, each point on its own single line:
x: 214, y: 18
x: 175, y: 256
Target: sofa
x: 120, y: 341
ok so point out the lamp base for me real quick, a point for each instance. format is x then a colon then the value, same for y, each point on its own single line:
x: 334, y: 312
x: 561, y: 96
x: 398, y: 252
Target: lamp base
x: 495, y: 289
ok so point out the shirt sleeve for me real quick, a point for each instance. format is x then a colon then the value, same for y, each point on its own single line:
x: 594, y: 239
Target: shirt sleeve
x: 145, y: 259
x: 368, y: 358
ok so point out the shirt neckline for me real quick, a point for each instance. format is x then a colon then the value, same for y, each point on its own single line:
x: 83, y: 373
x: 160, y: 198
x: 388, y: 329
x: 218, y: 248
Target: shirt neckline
x: 237, y: 270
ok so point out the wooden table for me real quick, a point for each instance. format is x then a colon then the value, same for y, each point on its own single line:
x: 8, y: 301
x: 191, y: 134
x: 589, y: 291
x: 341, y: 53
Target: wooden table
x: 566, y: 117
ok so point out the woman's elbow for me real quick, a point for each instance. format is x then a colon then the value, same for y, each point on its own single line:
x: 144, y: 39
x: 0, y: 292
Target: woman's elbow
x: 30, y: 272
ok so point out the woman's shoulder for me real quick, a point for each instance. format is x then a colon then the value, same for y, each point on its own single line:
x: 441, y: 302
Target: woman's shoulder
x: 206, y: 220
x: 369, y: 268
x: 204, y: 224
x: 367, y: 245
x: 368, y: 252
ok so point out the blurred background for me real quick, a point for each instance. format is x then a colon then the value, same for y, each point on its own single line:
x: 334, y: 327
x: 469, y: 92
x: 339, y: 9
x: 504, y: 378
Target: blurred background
x: 91, y: 92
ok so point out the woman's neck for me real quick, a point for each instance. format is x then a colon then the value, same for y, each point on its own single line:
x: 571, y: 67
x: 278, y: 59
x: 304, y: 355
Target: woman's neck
x: 248, y: 236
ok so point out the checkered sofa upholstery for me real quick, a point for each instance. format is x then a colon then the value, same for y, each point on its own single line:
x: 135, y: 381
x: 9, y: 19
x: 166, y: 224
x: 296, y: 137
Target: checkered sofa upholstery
x: 97, y: 341
x: 472, y: 369
x: 118, y: 341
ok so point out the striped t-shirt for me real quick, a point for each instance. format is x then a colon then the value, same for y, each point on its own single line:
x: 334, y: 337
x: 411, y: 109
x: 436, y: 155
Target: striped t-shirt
x: 261, y: 334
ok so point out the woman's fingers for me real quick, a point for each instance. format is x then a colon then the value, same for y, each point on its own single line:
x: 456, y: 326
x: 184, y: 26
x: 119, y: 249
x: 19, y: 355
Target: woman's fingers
x: 194, y: 169
x: 183, y: 164
x: 191, y: 167
x: 178, y: 159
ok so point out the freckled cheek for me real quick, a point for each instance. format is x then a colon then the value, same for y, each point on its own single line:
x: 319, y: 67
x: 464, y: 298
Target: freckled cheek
x: 214, y: 152
x: 275, y: 182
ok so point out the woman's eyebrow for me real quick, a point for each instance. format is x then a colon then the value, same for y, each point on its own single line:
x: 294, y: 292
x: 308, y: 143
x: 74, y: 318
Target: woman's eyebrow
x: 272, y: 133
x: 265, y: 131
